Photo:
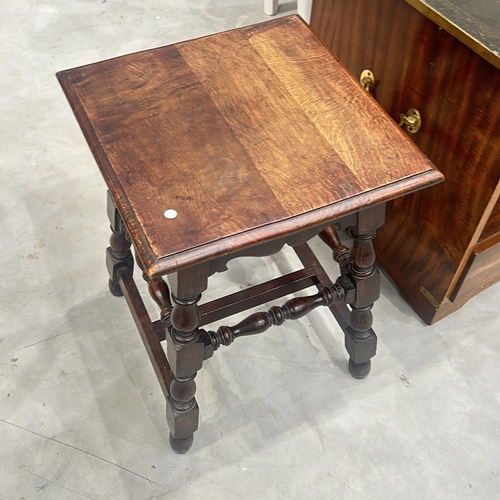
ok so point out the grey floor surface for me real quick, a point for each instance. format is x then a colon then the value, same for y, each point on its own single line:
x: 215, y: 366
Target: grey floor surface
x: 81, y: 413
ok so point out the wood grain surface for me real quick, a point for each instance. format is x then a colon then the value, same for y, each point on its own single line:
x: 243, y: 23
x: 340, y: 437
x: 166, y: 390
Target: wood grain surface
x: 249, y: 135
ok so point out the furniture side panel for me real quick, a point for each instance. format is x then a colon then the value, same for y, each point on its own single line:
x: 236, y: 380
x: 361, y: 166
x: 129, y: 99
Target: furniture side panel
x: 429, y: 235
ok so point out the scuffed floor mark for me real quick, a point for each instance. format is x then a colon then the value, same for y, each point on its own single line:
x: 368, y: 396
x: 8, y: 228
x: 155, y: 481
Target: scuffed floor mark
x: 78, y: 449
x: 50, y: 482
x: 48, y: 338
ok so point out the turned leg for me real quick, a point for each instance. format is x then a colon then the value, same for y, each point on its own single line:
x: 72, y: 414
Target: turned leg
x: 361, y: 341
x: 118, y: 254
x: 340, y: 251
x: 185, y: 351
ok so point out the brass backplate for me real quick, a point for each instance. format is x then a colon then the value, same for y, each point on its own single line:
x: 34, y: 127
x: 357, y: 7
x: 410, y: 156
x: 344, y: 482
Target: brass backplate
x: 411, y: 120
x: 367, y: 79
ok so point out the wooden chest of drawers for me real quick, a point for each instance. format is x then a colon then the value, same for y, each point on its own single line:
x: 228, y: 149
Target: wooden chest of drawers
x: 441, y: 246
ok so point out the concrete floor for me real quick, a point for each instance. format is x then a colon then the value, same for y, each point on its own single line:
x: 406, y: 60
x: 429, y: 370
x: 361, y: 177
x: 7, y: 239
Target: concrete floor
x: 81, y: 413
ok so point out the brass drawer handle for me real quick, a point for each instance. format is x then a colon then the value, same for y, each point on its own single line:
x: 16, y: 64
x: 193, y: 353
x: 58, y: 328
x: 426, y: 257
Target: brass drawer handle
x: 411, y: 120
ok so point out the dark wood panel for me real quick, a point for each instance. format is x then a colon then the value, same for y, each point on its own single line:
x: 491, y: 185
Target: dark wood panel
x: 475, y: 23
x: 429, y: 236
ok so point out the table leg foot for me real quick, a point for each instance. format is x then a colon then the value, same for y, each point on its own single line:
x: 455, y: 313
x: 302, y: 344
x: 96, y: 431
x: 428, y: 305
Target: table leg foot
x: 182, y: 414
x: 181, y: 446
x: 359, y: 370
x: 114, y: 288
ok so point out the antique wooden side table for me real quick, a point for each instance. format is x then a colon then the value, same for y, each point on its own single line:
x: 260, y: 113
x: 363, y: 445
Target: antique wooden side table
x: 235, y: 145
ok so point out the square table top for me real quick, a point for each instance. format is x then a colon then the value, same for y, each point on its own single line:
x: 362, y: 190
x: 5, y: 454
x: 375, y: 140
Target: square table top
x: 248, y: 135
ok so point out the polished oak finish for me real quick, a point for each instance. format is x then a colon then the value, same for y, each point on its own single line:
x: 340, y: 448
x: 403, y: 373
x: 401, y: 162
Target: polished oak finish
x: 438, y: 246
x: 234, y: 145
